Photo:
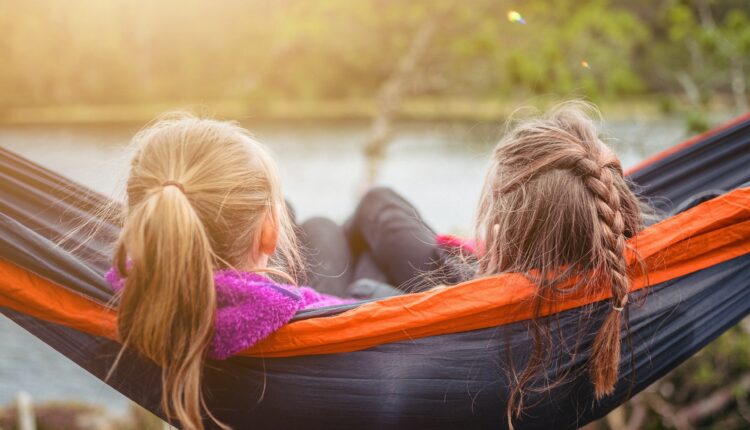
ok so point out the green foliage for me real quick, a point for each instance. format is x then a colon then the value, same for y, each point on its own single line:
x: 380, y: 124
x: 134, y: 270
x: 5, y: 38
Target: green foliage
x: 143, y: 51
x: 709, y: 44
x: 715, y: 368
x: 696, y: 122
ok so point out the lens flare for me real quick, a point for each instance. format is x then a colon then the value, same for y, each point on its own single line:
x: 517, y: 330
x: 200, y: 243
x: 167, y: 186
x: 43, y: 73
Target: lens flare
x: 514, y: 16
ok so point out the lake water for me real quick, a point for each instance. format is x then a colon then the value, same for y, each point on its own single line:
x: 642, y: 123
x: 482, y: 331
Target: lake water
x: 438, y: 167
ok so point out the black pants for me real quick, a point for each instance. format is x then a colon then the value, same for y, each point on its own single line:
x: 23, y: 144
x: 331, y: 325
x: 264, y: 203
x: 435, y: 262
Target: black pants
x: 385, y: 241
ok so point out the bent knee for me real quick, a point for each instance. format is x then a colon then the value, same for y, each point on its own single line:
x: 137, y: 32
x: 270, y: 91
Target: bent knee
x: 317, y: 223
x: 376, y: 196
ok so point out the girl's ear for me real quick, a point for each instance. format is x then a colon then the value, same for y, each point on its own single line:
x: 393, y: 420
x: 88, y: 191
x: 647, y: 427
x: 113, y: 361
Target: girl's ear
x: 269, y: 234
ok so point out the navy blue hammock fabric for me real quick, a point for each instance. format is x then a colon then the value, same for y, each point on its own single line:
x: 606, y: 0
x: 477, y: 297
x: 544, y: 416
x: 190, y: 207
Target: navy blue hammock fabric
x: 454, y: 380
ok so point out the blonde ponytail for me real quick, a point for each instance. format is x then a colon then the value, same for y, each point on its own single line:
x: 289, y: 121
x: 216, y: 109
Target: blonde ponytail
x: 167, y: 307
x: 198, y: 193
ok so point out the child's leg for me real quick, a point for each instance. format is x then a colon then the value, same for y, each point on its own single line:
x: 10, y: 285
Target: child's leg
x: 400, y: 242
x: 330, y: 267
x: 328, y: 258
x: 367, y: 268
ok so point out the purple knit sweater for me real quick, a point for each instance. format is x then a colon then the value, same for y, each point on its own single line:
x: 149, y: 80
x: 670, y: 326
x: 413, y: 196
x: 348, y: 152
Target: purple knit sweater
x: 250, y: 307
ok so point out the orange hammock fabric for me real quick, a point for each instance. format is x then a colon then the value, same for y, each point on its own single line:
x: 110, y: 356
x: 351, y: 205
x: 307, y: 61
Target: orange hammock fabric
x: 706, y: 235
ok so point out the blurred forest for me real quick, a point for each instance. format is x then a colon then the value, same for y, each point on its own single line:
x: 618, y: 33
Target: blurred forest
x: 388, y: 59
x: 437, y: 56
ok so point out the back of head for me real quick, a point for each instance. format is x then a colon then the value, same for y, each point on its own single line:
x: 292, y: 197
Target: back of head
x: 197, y: 194
x: 555, y: 206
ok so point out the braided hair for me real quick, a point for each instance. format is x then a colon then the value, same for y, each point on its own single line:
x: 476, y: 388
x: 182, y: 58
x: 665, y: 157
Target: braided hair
x: 556, y: 207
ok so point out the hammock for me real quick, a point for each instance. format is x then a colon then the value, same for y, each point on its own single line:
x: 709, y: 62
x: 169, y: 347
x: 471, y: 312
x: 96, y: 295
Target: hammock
x: 436, y: 359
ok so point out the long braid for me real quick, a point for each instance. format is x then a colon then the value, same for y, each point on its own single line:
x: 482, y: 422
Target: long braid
x: 612, y: 269
x: 609, y: 244
x: 555, y: 197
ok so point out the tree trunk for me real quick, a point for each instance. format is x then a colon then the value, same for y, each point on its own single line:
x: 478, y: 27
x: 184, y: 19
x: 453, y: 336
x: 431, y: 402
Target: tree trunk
x: 691, y: 89
x: 391, y: 92
x: 739, y: 85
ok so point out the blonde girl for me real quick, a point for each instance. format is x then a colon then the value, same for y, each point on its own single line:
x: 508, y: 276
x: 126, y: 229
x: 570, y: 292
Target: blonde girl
x: 204, y: 216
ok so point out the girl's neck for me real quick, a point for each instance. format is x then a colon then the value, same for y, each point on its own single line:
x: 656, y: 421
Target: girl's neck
x: 255, y: 265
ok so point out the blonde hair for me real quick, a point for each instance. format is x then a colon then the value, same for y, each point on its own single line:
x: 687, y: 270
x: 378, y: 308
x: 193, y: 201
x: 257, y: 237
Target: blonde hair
x: 198, y: 193
x: 556, y: 206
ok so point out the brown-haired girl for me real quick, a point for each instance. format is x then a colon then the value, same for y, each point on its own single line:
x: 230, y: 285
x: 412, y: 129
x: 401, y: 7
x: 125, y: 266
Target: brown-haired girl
x: 204, y: 214
x: 556, y: 207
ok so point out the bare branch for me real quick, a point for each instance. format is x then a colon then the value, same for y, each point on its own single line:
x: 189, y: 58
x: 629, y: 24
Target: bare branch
x: 391, y: 92
x: 666, y: 410
x: 739, y: 84
x: 638, y: 414
x: 616, y: 419
x: 689, y: 86
x: 715, y: 402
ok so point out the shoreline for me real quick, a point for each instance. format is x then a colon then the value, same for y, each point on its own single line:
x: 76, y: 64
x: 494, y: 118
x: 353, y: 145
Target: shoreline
x: 349, y: 110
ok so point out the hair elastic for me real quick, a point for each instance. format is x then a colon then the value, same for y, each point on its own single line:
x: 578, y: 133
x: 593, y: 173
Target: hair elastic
x: 175, y: 184
x: 623, y: 302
